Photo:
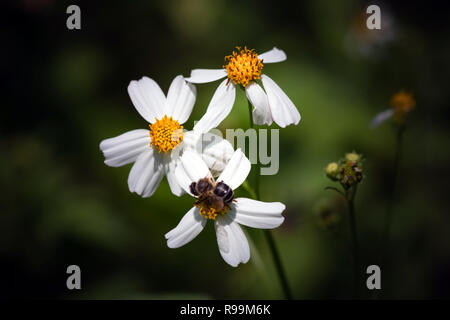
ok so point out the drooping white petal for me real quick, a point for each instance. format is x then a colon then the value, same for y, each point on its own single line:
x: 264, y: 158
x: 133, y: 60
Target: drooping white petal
x: 218, y: 109
x: 381, y: 118
x: 206, y: 75
x: 147, y: 98
x: 236, y: 170
x: 170, y: 164
x: 146, y: 173
x: 191, y: 168
x: 257, y: 214
x: 215, y: 151
x: 180, y: 99
x: 188, y: 228
x: 233, y: 244
x: 258, y: 98
x: 282, y: 108
x: 272, y: 56
x: 125, y: 148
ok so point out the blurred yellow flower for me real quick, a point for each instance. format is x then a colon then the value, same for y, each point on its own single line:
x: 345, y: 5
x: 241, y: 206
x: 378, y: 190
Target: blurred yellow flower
x: 401, y: 104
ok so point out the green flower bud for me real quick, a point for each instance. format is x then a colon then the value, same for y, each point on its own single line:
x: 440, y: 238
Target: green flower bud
x: 350, y: 174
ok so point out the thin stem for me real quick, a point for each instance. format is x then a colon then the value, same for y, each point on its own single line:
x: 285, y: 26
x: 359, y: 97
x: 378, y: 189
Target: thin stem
x: 249, y: 189
x: 391, y: 200
x: 256, y: 174
x: 271, y: 241
x: 350, y: 195
x: 337, y: 190
x: 250, y: 114
x: 278, y: 264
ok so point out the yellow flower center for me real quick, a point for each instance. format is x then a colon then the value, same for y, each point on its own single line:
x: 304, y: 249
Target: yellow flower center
x: 243, y: 66
x: 211, y: 213
x: 403, y: 102
x: 209, y: 207
x: 165, y: 134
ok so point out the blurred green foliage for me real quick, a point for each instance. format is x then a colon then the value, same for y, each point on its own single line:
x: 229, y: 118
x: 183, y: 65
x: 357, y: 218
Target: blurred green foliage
x: 66, y: 91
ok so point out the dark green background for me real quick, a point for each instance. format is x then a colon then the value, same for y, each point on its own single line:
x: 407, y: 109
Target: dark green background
x: 65, y: 91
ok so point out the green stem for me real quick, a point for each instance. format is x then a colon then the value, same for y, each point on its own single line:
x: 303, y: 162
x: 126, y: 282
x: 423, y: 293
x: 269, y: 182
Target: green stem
x: 249, y: 189
x: 271, y: 241
x: 257, y: 171
x: 391, y: 201
x: 337, y: 190
x: 278, y: 265
x: 390, y: 206
x: 350, y: 196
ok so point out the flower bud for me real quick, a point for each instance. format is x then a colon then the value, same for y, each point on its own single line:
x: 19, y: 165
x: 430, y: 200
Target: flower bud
x: 350, y: 174
x: 332, y: 170
x: 353, y: 157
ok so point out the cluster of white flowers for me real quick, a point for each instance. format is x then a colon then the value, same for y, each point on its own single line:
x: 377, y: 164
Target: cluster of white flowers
x: 192, y: 159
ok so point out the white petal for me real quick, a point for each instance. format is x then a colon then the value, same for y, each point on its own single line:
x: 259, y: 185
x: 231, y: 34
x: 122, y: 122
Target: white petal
x: 233, y: 244
x: 257, y: 214
x: 236, y: 170
x: 206, y: 75
x: 191, y: 140
x: 146, y: 173
x: 283, y: 110
x: 148, y: 98
x: 258, y: 98
x: 180, y: 99
x: 218, y: 109
x: 125, y: 148
x: 191, y: 168
x: 274, y: 55
x: 381, y: 117
x: 215, y: 151
x: 188, y: 228
x: 170, y: 165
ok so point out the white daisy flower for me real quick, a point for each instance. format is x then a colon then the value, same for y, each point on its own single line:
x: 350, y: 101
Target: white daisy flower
x: 215, y: 201
x: 156, y: 152
x: 401, y: 104
x: 243, y: 68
